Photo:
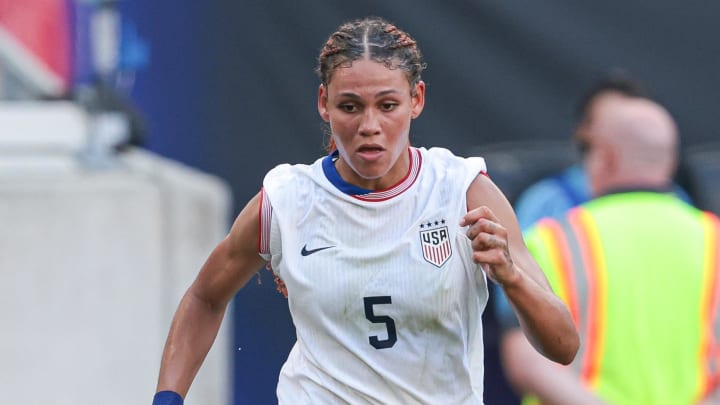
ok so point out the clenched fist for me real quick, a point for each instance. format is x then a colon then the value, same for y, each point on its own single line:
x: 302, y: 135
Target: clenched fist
x: 489, y: 241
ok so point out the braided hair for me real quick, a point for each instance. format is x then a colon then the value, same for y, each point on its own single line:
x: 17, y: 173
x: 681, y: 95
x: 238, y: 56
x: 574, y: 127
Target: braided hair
x: 376, y: 39
x: 380, y: 40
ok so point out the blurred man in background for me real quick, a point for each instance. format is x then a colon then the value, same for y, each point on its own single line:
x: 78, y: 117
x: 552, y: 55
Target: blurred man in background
x: 638, y: 268
x: 554, y: 195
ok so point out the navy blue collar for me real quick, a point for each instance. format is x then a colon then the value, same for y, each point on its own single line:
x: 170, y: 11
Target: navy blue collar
x: 333, y: 176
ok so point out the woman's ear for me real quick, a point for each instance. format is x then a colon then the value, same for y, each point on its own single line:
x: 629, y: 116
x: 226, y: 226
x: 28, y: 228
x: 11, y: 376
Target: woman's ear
x: 322, y: 103
x: 418, y: 99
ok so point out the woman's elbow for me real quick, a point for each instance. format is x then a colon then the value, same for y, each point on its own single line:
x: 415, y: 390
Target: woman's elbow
x: 565, y: 347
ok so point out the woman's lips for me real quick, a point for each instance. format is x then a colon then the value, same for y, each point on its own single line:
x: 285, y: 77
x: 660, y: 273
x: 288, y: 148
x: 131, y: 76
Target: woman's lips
x: 370, y: 153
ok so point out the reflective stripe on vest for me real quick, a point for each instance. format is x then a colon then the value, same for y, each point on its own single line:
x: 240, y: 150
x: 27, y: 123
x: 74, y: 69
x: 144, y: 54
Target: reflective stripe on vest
x: 575, y: 250
x: 709, y: 350
x: 593, y: 260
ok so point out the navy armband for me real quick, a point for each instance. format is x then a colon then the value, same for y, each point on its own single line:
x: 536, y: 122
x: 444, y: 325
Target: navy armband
x: 167, y: 398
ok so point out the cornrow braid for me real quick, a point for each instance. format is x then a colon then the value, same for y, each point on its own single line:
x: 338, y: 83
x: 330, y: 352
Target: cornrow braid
x: 402, y: 39
x: 331, y: 48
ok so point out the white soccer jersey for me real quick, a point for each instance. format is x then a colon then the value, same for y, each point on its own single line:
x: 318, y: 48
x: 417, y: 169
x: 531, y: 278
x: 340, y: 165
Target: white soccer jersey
x: 385, y: 298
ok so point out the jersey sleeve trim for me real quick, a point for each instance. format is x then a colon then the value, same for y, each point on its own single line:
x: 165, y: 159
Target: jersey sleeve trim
x: 265, y: 216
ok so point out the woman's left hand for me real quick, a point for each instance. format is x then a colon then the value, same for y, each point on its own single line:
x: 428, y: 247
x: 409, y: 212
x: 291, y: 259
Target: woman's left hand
x: 490, y: 244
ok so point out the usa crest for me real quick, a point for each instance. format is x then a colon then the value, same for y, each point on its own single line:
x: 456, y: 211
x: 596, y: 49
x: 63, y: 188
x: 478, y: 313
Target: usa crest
x: 435, y: 242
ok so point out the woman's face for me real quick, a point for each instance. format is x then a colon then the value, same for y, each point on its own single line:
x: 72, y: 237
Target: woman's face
x: 369, y: 108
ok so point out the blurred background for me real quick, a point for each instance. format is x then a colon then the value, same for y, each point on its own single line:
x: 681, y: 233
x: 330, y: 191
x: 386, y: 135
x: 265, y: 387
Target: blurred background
x: 132, y: 132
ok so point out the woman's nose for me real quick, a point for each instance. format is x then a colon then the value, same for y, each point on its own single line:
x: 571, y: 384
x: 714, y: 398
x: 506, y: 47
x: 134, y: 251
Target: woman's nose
x: 370, y: 124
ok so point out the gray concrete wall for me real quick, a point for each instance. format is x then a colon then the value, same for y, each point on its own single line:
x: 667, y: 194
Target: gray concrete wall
x: 92, y: 267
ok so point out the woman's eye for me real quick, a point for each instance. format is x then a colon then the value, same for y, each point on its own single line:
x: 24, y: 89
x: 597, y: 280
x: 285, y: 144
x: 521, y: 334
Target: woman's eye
x: 388, y: 106
x: 348, y: 108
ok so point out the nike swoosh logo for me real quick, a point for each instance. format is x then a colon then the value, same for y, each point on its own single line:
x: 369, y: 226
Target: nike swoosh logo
x: 306, y: 252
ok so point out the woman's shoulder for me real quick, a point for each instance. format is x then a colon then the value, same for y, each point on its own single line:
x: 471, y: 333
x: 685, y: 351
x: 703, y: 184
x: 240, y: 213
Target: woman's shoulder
x: 445, y: 158
x: 288, y: 173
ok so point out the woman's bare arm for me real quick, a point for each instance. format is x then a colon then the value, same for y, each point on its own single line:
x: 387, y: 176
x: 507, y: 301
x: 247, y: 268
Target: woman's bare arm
x: 498, y: 243
x: 197, y: 320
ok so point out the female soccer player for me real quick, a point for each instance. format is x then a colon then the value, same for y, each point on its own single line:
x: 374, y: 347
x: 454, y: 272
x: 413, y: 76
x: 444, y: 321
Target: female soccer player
x: 381, y: 248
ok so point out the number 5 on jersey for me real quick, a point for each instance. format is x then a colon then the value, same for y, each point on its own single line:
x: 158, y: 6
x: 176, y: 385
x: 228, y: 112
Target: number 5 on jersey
x: 377, y: 343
